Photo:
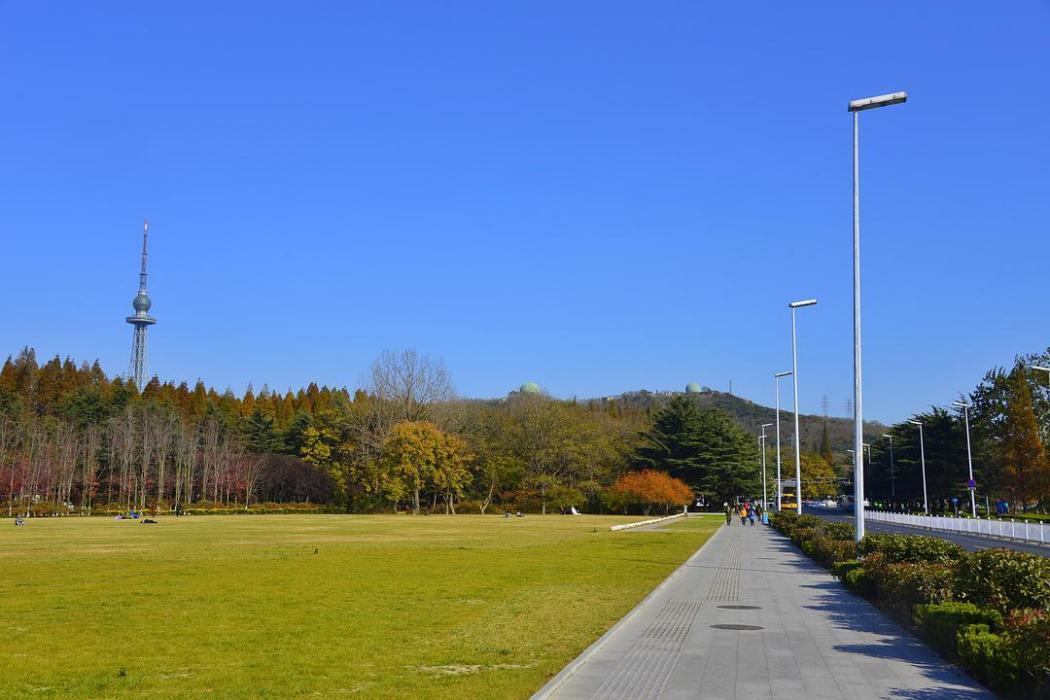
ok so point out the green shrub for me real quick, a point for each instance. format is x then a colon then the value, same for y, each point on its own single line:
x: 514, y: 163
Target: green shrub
x: 827, y: 551
x: 839, y: 531
x: 809, y: 521
x: 784, y: 522
x: 1004, y: 579
x: 911, y: 548
x: 903, y: 585
x: 859, y: 580
x: 840, y: 568
x: 939, y: 623
x: 987, y: 656
x: 1028, y: 635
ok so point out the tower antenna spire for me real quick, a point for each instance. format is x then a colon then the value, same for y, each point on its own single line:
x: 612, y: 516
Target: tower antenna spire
x: 141, y: 320
x: 142, y: 275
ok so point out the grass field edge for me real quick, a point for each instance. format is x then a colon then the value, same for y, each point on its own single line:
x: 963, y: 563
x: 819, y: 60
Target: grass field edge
x: 573, y: 666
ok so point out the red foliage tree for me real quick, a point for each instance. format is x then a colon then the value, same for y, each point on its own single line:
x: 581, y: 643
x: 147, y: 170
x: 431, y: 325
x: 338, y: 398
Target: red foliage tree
x: 649, y: 488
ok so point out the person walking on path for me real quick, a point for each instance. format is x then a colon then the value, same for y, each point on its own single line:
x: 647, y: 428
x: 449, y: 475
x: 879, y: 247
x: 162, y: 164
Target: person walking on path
x: 729, y: 513
x: 743, y: 514
x: 750, y: 515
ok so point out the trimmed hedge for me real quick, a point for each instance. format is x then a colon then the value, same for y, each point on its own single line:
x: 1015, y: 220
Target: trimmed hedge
x: 903, y: 585
x: 911, y: 548
x: 990, y: 610
x: 939, y: 623
x: 986, y: 655
x: 1005, y: 580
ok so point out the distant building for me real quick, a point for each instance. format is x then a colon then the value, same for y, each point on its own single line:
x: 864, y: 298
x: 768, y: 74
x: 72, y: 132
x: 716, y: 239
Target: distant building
x: 692, y: 388
x: 141, y: 320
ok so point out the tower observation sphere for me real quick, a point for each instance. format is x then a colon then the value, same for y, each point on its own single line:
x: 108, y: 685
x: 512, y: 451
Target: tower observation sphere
x: 141, y: 303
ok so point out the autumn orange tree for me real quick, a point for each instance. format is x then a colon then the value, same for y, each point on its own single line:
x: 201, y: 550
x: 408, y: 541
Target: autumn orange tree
x: 1024, y: 464
x: 646, y: 489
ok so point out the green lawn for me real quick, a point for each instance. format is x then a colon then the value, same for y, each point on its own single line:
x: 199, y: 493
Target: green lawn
x: 316, y: 605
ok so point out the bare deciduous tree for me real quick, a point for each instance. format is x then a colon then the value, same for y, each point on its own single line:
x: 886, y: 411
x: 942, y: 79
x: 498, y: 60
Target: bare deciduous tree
x: 410, y: 383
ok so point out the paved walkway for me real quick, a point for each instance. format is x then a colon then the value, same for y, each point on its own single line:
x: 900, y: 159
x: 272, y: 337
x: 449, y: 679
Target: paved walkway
x: 806, y: 636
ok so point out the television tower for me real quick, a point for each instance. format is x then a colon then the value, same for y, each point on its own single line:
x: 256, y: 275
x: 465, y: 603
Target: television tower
x: 141, y: 320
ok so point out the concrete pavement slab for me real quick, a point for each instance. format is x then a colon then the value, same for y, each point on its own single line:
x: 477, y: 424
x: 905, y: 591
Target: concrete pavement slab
x: 749, y: 616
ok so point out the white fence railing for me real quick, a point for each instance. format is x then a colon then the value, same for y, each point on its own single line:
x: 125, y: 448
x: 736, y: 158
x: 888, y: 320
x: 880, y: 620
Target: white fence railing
x: 1020, y: 531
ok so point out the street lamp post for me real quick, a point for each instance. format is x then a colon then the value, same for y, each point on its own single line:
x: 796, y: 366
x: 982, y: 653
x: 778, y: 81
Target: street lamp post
x: 971, y: 484
x: 858, y: 106
x: 765, y: 491
x: 795, y: 306
x: 893, y: 489
x: 922, y: 456
x: 777, y: 377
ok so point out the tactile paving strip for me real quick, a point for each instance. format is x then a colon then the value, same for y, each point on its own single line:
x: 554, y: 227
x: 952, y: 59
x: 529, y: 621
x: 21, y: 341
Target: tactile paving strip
x: 644, y: 671
x: 725, y: 584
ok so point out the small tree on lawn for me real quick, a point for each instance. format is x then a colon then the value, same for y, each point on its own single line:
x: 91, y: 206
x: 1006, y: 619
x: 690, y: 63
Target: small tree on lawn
x: 648, y: 488
x: 411, y: 452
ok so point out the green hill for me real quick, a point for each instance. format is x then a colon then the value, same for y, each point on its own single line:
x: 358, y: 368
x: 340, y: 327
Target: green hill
x: 751, y: 416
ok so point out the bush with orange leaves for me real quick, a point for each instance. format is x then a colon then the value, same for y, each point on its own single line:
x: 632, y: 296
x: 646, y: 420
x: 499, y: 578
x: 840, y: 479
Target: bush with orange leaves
x: 646, y: 489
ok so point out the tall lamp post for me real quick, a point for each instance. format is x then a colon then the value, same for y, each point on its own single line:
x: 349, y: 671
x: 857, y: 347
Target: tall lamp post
x: 777, y: 377
x: 856, y: 107
x: 795, y: 306
x: 765, y: 491
x: 922, y: 457
x: 893, y: 488
x: 970, y: 484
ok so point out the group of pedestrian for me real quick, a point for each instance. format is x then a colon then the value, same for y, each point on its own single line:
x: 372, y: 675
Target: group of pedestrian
x: 747, y: 510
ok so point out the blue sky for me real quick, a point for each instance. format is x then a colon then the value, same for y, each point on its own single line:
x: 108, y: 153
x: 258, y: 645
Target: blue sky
x: 597, y: 196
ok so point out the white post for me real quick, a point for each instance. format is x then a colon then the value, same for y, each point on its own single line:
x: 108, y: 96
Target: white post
x: 780, y: 489
x: 922, y: 454
x: 794, y: 306
x: 798, y: 447
x: 858, y: 408
x: 969, y: 459
x: 762, y: 446
x: 857, y: 106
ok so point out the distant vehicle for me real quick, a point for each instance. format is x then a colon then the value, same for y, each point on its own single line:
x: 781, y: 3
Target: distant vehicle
x: 788, y: 505
x: 847, y: 502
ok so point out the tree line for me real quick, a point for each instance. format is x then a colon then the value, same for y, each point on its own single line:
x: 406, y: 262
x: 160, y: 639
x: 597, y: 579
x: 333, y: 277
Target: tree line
x: 73, y: 439
x: 1009, y: 417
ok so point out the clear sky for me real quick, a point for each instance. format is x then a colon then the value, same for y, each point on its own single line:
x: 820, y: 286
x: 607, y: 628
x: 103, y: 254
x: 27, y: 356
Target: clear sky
x: 597, y: 196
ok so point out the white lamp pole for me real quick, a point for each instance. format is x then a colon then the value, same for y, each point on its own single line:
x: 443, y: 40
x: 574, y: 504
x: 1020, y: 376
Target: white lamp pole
x: 858, y: 106
x: 765, y: 491
x: 794, y: 306
x: 780, y: 491
x: 971, y: 485
x: 922, y: 456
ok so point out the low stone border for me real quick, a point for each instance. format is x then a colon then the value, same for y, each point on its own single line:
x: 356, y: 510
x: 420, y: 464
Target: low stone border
x: 628, y: 526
